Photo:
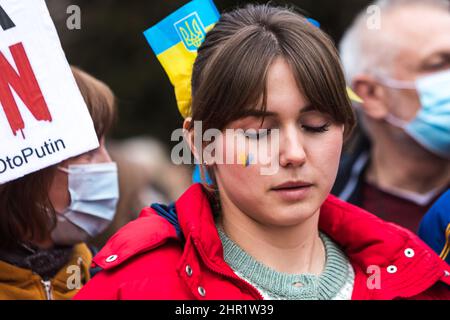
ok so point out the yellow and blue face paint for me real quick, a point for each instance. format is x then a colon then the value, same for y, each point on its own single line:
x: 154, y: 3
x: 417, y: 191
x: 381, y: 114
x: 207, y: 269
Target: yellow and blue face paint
x: 245, y: 159
x: 175, y: 41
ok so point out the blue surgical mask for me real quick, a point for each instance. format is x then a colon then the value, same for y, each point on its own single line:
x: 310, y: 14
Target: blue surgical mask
x: 431, y: 125
x: 94, y: 193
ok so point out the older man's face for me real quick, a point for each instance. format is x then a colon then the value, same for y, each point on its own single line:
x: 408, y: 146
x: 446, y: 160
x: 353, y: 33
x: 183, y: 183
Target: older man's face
x: 423, y: 36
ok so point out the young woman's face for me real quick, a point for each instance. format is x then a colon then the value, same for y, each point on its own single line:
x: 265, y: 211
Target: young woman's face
x: 310, y: 145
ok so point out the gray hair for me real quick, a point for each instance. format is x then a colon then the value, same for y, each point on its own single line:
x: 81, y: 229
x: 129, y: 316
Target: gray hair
x: 363, y: 48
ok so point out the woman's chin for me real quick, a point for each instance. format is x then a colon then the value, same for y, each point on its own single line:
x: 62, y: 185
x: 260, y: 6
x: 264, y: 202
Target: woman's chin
x: 289, y: 217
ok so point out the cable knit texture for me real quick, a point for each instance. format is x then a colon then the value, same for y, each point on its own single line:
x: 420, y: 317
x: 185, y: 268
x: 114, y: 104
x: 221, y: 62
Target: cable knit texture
x: 334, y: 283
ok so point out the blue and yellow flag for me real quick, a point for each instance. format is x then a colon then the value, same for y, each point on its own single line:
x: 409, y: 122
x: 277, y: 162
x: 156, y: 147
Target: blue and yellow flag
x: 175, y: 41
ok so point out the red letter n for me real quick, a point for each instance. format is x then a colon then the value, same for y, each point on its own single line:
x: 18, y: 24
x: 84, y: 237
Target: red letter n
x: 25, y: 85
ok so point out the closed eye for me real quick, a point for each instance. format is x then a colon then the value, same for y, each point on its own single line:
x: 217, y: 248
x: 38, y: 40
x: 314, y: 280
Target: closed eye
x: 314, y: 129
x: 257, y: 134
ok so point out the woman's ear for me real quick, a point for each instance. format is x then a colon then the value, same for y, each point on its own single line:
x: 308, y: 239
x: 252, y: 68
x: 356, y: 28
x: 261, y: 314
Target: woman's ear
x: 189, y: 136
x: 373, y: 95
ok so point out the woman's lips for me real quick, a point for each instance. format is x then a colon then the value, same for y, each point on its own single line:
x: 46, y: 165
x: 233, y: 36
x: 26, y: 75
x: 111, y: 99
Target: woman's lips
x: 293, y: 191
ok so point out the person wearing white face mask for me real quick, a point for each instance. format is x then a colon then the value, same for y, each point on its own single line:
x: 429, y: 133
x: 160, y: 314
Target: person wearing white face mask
x: 401, y: 70
x: 94, y: 193
x: 47, y: 216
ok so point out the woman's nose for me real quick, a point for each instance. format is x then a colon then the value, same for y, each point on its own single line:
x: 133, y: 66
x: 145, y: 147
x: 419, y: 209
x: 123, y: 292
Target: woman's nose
x: 292, y: 152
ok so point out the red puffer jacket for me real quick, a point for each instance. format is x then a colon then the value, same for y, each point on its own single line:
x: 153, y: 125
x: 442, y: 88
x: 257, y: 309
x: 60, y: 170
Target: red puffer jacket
x: 147, y: 260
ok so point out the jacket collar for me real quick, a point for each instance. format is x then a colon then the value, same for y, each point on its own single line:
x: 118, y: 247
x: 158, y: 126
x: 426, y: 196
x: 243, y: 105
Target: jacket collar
x: 406, y: 265
x: 81, y: 257
x: 197, y: 222
x: 136, y: 237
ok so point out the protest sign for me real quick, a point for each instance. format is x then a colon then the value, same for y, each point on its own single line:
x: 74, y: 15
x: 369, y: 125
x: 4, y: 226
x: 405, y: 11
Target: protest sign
x: 43, y: 117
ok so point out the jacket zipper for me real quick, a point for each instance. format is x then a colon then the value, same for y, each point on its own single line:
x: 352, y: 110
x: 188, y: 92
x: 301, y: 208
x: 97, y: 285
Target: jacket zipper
x: 48, y: 289
x: 213, y: 268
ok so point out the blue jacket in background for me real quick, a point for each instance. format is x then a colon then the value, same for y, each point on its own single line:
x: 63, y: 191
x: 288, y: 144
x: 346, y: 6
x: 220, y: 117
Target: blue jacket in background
x: 435, y: 227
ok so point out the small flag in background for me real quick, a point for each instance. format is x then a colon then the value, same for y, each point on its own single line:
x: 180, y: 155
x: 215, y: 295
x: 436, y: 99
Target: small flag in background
x: 175, y: 41
x: 353, y: 96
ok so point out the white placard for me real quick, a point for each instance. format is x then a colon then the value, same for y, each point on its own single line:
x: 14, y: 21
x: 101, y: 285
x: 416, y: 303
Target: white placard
x: 43, y: 117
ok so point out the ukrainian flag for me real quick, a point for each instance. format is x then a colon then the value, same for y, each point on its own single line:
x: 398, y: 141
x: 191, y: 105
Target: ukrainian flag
x: 175, y: 41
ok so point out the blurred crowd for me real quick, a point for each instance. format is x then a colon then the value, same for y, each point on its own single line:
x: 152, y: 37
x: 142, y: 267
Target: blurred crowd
x: 395, y: 165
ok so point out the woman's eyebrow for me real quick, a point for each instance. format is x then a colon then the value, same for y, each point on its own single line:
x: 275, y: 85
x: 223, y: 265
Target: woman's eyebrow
x: 262, y: 113
x: 258, y: 114
x: 307, y: 108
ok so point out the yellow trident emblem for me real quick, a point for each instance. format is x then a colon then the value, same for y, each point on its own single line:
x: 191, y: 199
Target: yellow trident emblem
x: 191, y: 31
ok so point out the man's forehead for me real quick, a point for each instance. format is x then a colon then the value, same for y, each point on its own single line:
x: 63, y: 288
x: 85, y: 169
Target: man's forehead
x: 420, y: 32
x: 416, y: 22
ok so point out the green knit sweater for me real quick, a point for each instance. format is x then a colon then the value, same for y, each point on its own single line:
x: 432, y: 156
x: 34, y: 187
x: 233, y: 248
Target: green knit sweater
x: 335, y: 282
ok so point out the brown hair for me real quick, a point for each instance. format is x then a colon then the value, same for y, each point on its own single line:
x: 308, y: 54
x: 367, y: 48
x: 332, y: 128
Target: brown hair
x: 26, y: 211
x: 230, y: 71
x: 99, y: 99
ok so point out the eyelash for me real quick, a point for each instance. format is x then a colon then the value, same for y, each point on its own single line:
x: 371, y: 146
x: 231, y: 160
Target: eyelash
x: 258, y: 134
x: 310, y: 129
x: 440, y: 65
x: 320, y: 129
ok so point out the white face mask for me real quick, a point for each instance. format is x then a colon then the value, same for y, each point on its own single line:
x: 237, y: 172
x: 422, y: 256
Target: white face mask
x: 94, y: 193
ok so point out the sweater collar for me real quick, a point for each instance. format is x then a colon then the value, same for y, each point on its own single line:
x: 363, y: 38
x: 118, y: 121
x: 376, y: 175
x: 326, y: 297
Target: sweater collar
x: 281, y: 285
